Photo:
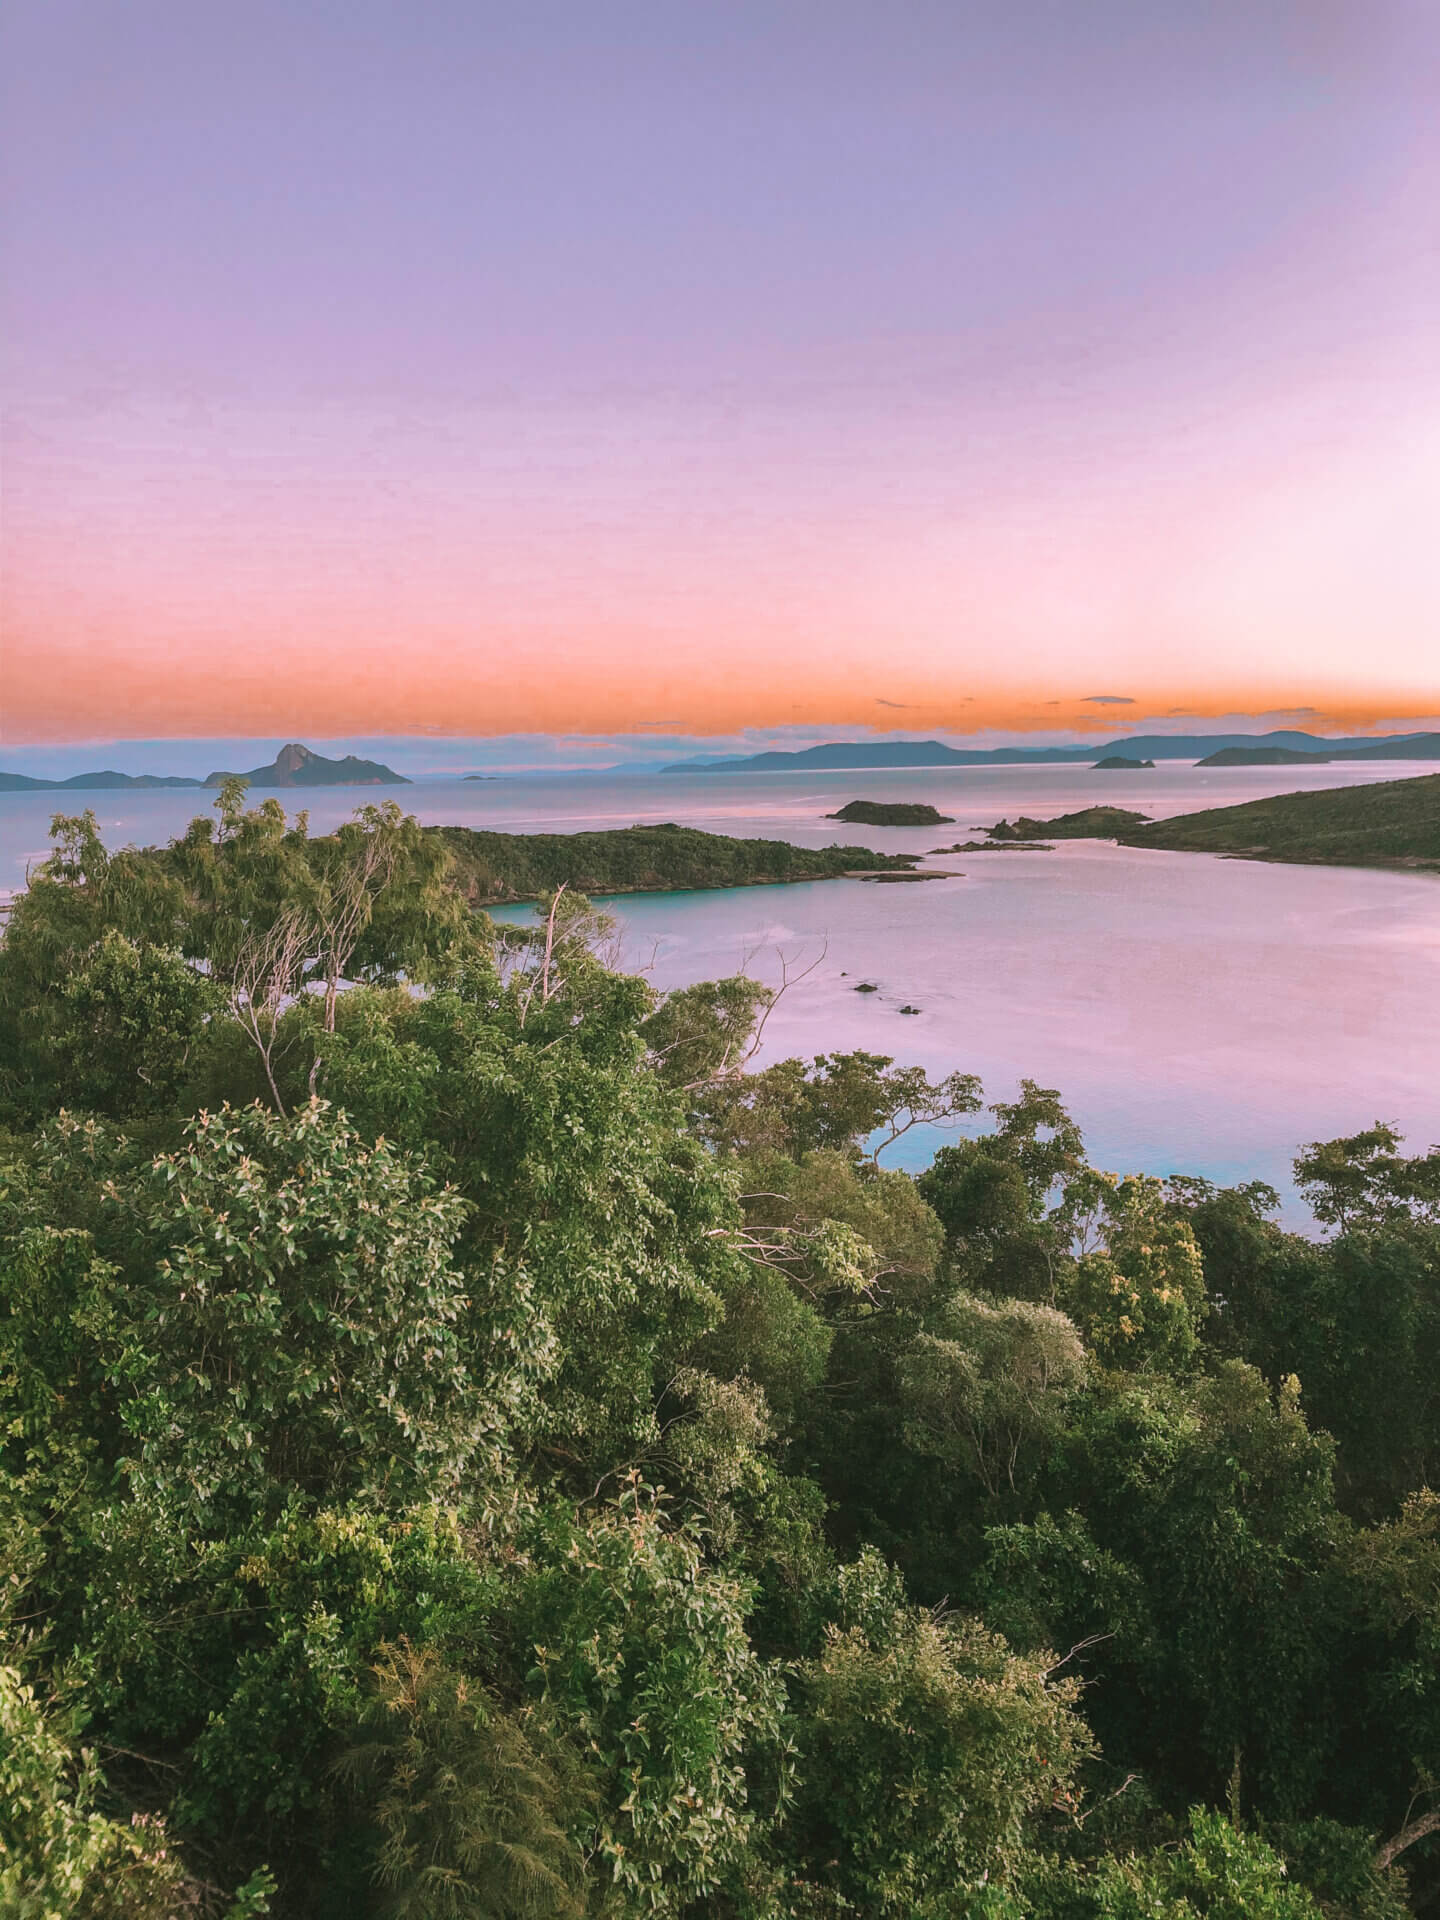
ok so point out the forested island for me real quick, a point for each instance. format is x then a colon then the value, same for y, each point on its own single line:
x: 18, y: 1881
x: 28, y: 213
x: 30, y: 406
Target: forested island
x: 1089, y: 823
x: 1395, y: 823
x: 496, y: 867
x: 1264, y: 757
x: 891, y: 813
x: 493, y: 869
x: 495, y: 1451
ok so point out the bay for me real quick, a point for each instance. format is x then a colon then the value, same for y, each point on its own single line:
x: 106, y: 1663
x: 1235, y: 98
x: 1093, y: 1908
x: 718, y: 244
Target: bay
x: 1198, y: 1014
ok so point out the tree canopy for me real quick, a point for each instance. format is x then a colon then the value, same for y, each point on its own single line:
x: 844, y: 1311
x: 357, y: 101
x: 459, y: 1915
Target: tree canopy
x: 474, y: 1442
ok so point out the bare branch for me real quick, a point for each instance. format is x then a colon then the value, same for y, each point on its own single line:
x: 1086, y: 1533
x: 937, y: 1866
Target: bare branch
x: 732, y: 1069
x: 1080, y: 1646
x: 269, y: 972
x: 1124, y: 1786
x: 1427, y: 1823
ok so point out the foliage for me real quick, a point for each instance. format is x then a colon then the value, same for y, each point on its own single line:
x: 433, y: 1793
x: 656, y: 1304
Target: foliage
x: 469, y: 1445
x: 924, y: 1748
x: 133, y: 1017
x: 1217, y: 1873
x: 643, y: 1650
x: 1366, y: 1182
x: 511, y: 866
x: 282, y: 1313
x: 993, y: 1196
x: 1139, y: 1297
x: 1212, y: 1509
x: 838, y: 1100
x: 1393, y: 823
x: 987, y: 1392
x: 697, y: 1034
x: 61, y: 1858
x: 1358, y: 1319
x: 471, y: 1802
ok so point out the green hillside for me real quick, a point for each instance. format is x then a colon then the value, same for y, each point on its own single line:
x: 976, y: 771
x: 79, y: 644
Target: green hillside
x: 1396, y: 824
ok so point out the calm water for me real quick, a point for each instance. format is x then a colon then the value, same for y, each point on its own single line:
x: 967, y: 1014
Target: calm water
x: 1198, y: 1014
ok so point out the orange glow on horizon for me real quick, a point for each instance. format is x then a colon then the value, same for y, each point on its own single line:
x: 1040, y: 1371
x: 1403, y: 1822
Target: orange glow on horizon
x: 89, y: 690
x: 159, y: 584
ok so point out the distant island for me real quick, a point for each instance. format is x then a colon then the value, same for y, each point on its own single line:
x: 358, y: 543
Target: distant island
x: 1004, y: 845
x: 891, y: 813
x: 1417, y: 746
x: 293, y: 766
x: 1265, y: 757
x: 492, y: 868
x: 1394, y: 824
x: 297, y: 766
x: 92, y: 782
x: 857, y: 754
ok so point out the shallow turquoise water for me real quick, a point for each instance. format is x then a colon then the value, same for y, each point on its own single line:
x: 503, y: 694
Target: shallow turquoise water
x: 1198, y: 1014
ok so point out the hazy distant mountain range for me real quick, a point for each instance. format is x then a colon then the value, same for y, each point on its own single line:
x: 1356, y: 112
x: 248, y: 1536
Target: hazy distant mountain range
x: 1145, y: 746
x: 293, y: 766
x: 300, y: 766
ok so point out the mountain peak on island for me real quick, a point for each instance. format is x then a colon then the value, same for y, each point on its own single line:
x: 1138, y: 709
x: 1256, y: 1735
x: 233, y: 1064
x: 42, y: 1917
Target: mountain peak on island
x: 294, y: 766
x: 300, y: 766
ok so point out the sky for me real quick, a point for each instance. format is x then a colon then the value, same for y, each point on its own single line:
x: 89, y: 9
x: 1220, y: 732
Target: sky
x: 716, y: 373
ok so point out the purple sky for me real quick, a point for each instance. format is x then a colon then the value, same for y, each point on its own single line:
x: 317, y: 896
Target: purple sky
x: 548, y: 367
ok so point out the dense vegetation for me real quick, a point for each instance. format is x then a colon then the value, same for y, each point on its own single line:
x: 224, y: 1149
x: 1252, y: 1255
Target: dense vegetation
x: 494, y: 867
x: 487, y: 1451
x: 1089, y: 823
x: 1395, y: 823
x: 891, y: 813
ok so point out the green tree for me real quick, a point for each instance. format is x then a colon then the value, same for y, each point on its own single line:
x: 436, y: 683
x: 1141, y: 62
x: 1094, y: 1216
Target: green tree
x: 995, y: 1197
x: 642, y: 1650
x: 1213, y: 1505
x: 473, y: 1803
x: 1356, y: 1316
x: 131, y: 1021
x: 600, y: 1238
x: 1392, y: 1577
x: 61, y: 1858
x: 1364, y: 1181
x: 988, y: 1391
x: 839, y: 1100
x: 1218, y: 1872
x: 925, y: 1749
x: 1138, y: 1297
x: 63, y: 998
x: 703, y: 1033
x: 279, y: 1310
